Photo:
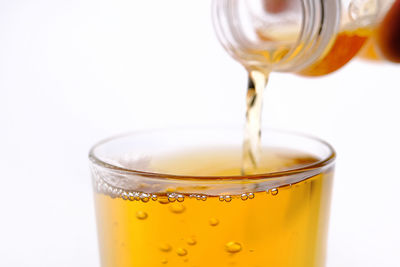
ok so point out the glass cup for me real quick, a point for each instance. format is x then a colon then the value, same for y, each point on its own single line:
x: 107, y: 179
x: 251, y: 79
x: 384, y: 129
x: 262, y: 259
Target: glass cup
x: 177, y: 198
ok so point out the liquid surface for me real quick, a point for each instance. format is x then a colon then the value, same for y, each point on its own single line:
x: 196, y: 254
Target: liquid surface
x: 284, y: 227
x: 227, y: 162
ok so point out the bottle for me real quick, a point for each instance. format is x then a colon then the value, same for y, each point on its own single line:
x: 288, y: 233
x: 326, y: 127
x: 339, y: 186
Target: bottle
x: 307, y: 37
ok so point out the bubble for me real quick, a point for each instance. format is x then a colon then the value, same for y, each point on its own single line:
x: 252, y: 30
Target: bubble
x: 164, y: 261
x: 136, y: 195
x: 181, y: 252
x: 213, y: 221
x: 221, y: 198
x: 171, y: 197
x: 118, y: 192
x: 228, y: 198
x: 191, y: 241
x: 244, y: 197
x: 154, y: 197
x: 165, y: 247
x: 124, y: 196
x: 130, y: 196
x: 198, y: 197
x: 233, y: 247
x: 274, y: 191
x: 250, y: 195
x: 204, y: 198
x: 145, y: 197
x: 177, y: 208
x: 180, y: 198
x: 141, y: 215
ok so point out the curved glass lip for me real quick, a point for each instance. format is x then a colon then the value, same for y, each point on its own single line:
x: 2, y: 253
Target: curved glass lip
x: 324, y: 162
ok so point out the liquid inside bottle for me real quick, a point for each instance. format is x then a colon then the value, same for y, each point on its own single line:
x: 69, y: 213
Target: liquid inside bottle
x: 310, y: 38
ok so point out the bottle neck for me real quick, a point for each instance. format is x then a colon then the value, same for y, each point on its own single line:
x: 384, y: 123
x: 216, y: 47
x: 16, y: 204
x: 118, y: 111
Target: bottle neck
x: 288, y: 38
x: 319, y: 27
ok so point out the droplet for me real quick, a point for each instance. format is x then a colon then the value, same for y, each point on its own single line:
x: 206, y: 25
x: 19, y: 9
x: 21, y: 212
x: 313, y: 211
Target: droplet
x: 164, y: 261
x: 180, y: 198
x: 118, y: 192
x: 250, y: 195
x: 165, y: 247
x: 213, y: 221
x: 221, y: 198
x: 130, y: 196
x: 145, y: 197
x: 228, y: 198
x: 177, y: 208
x: 233, y: 247
x: 124, y: 196
x: 171, y: 197
x: 181, y: 252
x: 204, y: 198
x: 141, y: 215
x: 136, y: 196
x: 274, y: 191
x: 191, y: 241
x: 244, y: 197
x: 154, y: 197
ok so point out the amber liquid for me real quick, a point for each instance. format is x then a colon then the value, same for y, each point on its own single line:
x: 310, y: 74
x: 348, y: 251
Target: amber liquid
x: 251, y: 152
x: 279, y: 227
x: 345, y: 47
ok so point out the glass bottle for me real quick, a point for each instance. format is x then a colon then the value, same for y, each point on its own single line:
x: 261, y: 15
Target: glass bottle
x: 308, y: 37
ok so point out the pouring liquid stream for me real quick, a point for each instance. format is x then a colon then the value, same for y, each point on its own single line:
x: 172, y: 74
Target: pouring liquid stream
x: 258, y: 80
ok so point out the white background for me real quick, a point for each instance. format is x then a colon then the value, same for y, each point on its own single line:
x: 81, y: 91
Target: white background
x: 75, y: 71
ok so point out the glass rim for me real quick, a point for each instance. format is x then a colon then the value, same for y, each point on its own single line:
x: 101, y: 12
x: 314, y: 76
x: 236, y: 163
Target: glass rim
x: 318, y: 165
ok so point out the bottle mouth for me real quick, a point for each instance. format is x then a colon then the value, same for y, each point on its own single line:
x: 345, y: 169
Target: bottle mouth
x: 256, y: 34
